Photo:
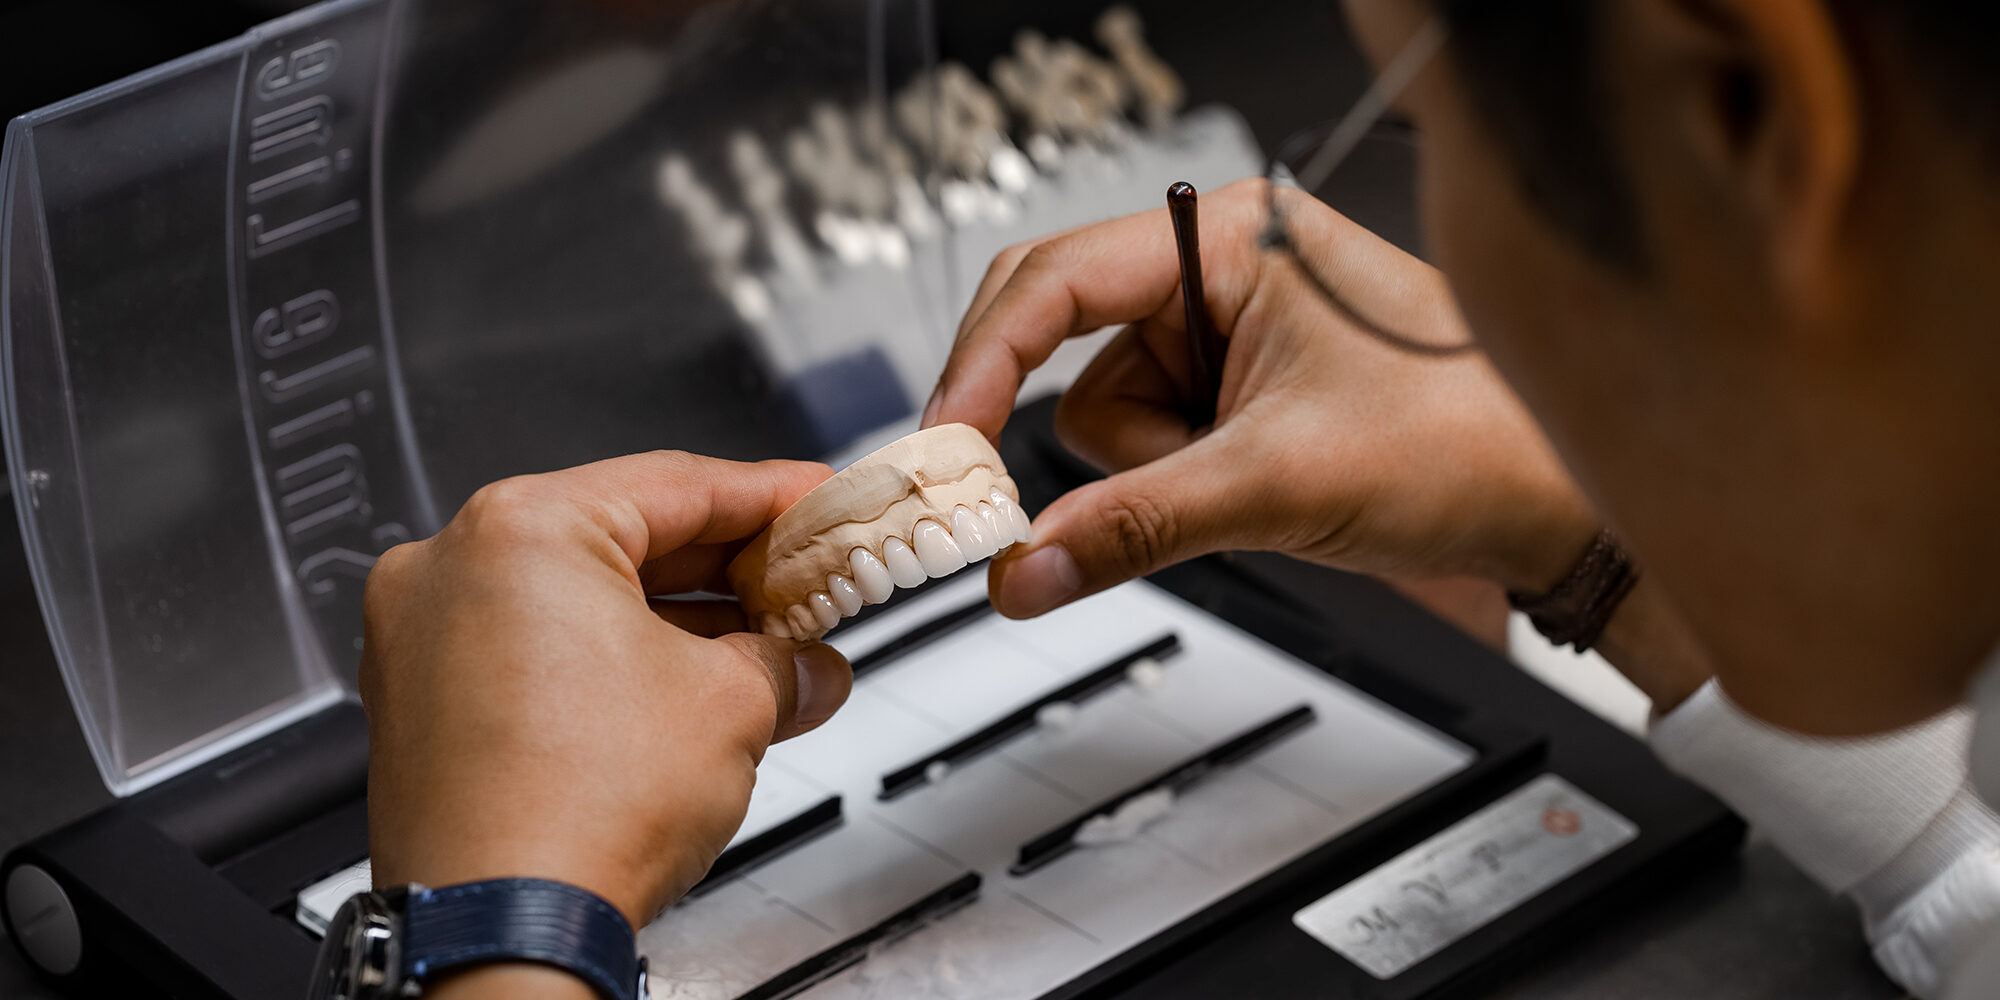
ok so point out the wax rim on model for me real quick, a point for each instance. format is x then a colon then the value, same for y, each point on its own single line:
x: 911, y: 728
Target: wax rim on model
x: 924, y: 506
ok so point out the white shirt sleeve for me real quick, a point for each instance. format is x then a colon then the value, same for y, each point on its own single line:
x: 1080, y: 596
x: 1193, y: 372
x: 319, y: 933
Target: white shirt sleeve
x: 1889, y: 820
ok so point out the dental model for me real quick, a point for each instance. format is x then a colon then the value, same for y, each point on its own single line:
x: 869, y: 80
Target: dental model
x: 1159, y: 89
x: 720, y: 236
x: 855, y: 198
x: 764, y: 192
x: 924, y: 506
x: 1060, y: 90
x: 879, y: 140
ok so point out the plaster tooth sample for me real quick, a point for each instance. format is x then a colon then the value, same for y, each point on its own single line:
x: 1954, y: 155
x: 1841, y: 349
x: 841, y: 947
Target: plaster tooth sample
x: 846, y: 236
x: 949, y: 112
x: 1061, y: 90
x: 721, y: 237
x: 764, y: 191
x: 1045, y: 151
x: 823, y: 611
x: 904, y: 566
x: 961, y: 202
x: 892, y: 246
x: 871, y: 577
x: 913, y: 209
x: 995, y: 207
x: 1160, y: 90
x: 1010, y: 169
x: 845, y: 596
x: 939, y: 552
x: 878, y: 524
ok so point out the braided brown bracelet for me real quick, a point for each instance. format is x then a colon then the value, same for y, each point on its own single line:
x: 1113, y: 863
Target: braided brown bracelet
x: 1575, y: 611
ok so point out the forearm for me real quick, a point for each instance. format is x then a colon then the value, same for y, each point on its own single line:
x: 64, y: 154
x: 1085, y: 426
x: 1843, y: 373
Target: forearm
x: 517, y: 981
x: 1650, y: 643
x: 1647, y: 639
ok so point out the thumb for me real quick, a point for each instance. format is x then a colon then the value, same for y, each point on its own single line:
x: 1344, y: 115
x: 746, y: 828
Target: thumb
x: 1182, y: 505
x: 810, y: 680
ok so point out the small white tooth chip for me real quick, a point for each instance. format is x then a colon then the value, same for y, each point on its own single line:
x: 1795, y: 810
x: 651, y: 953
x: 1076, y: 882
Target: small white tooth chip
x: 1146, y: 674
x: 1056, y: 716
x: 1126, y: 822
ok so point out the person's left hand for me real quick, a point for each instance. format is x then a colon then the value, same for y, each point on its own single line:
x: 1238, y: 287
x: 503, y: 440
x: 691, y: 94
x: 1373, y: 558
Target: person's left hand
x: 532, y: 713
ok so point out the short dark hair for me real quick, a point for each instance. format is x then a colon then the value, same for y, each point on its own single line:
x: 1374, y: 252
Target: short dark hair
x: 1533, y: 69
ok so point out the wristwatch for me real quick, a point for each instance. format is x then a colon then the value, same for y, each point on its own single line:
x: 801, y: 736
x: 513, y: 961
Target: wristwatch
x: 389, y: 943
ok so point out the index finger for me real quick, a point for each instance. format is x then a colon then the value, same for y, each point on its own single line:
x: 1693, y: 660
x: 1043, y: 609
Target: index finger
x: 1119, y: 271
x: 660, y: 502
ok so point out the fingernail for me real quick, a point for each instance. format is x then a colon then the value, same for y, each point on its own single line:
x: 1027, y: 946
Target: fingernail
x: 1039, y: 582
x: 931, y: 409
x: 824, y: 679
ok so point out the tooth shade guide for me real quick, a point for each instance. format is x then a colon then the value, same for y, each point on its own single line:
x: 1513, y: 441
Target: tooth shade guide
x: 1062, y: 839
x: 795, y: 980
x: 922, y: 635
x: 791, y: 833
x: 1062, y: 701
x: 1130, y: 819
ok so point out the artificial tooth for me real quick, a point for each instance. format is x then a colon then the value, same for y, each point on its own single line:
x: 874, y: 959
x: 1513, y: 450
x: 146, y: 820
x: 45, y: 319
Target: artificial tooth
x: 775, y: 625
x: 871, y: 577
x: 935, y: 549
x: 823, y: 610
x: 801, y: 621
x: 904, y: 566
x: 970, y: 533
x: 845, y: 596
x: 1018, y: 518
x: 997, y: 528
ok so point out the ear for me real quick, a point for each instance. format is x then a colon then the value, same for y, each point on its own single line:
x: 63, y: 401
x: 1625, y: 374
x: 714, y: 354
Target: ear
x: 1765, y: 97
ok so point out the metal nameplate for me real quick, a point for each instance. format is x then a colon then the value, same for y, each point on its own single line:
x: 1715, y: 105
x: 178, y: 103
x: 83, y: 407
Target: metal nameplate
x: 1421, y: 901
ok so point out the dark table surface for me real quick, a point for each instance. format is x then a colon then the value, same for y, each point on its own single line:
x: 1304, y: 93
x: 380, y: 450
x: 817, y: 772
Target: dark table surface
x: 1753, y: 928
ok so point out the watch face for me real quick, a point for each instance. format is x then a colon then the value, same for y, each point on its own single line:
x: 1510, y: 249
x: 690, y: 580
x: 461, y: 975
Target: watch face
x: 357, y: 961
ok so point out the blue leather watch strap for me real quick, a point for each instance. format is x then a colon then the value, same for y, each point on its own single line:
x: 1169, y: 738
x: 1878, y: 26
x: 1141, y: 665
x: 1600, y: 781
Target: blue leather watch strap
x: 521, y: 920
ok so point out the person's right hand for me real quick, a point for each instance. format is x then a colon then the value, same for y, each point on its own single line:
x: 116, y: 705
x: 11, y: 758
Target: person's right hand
x: 1330, y: 444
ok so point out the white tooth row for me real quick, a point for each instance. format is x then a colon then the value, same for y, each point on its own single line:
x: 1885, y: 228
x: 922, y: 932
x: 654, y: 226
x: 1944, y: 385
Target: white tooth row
x: 933, y: 550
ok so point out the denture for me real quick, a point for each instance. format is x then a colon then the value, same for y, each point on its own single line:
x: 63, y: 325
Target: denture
x: 924, y: 506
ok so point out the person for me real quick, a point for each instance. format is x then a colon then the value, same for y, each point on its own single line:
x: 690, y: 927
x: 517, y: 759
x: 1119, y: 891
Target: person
x: 1729, y: 267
